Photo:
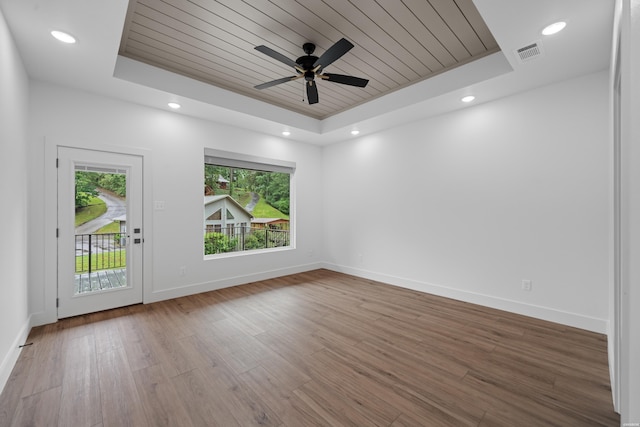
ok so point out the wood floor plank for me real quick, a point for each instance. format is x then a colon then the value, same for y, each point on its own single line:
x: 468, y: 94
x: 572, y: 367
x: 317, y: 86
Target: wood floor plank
x: 372, y: 398
x: 202, y: 401
x: 318, y: 348
x: 199, y: 353
x: 535, y: 409
x: 174, y: 319
x: 39, y: 409
x: 107, y: 336
x: 80, y: 403
x: 242, y: 318
x: 12, y: 393
x: 579, y: 364
x: 238, y: 350
x: 288, y: 374
x: 334, y: 408
x: 436, y: 409
x: 164, y: 348
x: 136, y: 345
x: 300, y: 342
x: 121, y: 405
x: 405, y: 420
x: 161, y: 403
x: 415, y: 386
x: 337, y: 325
x: 48, y: 363
x: 279, y: 396
x: 420, y: 359
x: 241, y: 400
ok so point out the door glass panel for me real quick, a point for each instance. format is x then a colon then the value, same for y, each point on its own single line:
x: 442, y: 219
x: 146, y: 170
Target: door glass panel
x: 100, y: 229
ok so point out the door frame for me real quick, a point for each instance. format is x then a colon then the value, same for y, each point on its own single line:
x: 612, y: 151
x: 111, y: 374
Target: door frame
x: 70, y: 302
x: 49, y: 312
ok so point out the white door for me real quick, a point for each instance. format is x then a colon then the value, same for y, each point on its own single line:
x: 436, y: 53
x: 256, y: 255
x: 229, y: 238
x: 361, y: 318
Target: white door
x: 100, y: 261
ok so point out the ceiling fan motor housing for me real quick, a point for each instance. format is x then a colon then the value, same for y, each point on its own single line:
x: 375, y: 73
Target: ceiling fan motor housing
x: 307, y: 62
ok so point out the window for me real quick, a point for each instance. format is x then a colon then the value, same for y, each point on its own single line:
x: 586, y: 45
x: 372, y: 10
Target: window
x: 243, y: 195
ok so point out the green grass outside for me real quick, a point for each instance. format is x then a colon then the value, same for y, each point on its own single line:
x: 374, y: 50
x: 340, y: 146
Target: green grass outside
x: 113, y: 227
x: 265, y: 210
x: 96, y: 208
x: 102, y: 261
x: 242, y: 197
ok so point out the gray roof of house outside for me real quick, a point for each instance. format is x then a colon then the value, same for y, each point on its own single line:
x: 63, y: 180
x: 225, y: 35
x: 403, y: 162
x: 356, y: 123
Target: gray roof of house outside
x: 211, y: 199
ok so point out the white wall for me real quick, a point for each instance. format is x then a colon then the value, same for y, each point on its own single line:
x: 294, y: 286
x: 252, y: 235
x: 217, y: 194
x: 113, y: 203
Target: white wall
x: 14, y: 168
x: 175, y: 146
x: 469, y: 204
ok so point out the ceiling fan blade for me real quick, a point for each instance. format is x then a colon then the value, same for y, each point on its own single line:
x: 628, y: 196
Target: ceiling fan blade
x: 312, y: 92
x: 345, y: 80
x: 277, y: 82
x: 341, y: 47
x: 276, y: 55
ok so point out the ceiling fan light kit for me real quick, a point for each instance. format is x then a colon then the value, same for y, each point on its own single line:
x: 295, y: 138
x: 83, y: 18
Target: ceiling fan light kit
x: 309, y: 67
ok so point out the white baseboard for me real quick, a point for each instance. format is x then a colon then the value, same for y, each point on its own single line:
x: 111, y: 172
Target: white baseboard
x: 43, y: 318
x: 214, y: 285
x: 10, y: 359
x: 544, y: 313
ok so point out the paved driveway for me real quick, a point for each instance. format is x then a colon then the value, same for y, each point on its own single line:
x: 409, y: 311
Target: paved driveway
x: 116, y: 207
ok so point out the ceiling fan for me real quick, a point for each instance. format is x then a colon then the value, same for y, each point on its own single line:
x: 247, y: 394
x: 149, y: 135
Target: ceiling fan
x: 309, y: 67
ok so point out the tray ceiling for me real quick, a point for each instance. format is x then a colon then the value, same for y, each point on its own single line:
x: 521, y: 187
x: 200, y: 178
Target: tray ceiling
x: 397, y: 43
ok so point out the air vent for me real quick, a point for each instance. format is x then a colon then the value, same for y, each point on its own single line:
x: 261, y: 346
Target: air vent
x: 531, y: 51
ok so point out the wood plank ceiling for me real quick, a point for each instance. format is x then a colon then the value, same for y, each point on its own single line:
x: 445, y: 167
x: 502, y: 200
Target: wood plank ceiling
x: 397, y: 43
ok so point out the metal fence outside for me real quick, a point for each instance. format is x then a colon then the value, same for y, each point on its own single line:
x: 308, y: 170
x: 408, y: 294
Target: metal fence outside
x: 100, y: 252
x: 238, y: 238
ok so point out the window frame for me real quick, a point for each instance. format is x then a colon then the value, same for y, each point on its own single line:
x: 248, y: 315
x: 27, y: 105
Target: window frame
x: 245, y: 161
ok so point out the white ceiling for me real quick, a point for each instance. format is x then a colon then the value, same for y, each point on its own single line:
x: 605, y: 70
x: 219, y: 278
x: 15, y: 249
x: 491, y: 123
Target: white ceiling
x: 93, y: 64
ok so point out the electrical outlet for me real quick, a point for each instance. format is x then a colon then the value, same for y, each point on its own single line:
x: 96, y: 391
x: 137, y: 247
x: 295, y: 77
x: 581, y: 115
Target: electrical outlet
x: 182, y: 271
x: 526, y: 285
x: 159, y: 205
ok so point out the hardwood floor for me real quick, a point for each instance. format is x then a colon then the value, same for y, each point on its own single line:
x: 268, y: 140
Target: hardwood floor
x: 312, y: 349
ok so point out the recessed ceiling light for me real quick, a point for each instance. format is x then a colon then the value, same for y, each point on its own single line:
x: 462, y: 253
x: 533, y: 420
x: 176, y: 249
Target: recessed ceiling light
x: 63, y: 37
x: 468, y: 98
x: 556, y: 27
x: 286, y: 133
x: 355, y: 132
x: 174, y: 105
